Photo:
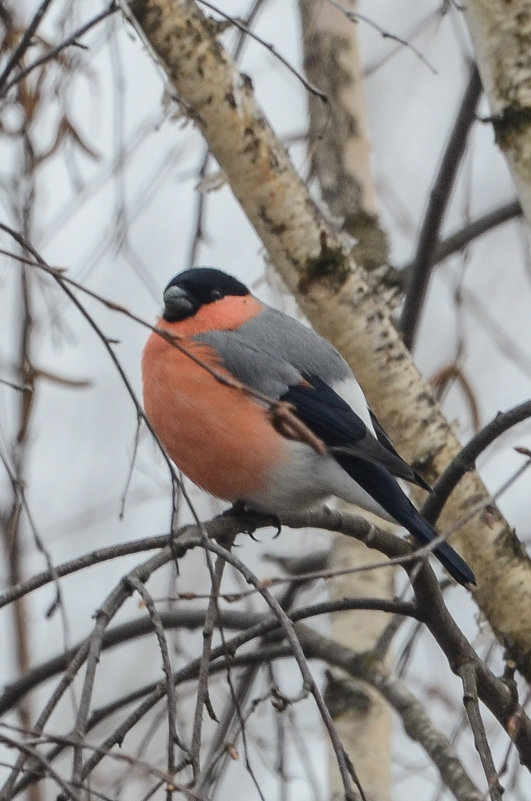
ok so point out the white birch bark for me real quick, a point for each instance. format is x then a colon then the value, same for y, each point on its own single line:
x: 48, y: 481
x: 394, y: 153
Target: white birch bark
x: 501, y: 35
x: 339, y: 138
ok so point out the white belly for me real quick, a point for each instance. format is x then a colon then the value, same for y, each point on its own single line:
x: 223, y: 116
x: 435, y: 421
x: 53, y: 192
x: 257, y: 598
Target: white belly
x: 308, y: 479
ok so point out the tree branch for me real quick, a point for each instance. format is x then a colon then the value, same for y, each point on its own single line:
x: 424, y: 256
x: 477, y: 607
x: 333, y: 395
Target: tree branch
x: 494, y: 692
x: 455, y: 242
x: 68, y: 42
x: 25, y: 42
x: 368, y: 667
x: 471, y: 702
x: 443, y: 185
x: 466, y: 458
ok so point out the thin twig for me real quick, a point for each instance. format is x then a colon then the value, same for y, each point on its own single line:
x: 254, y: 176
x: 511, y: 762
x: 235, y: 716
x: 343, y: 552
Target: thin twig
x: 464, y: 236
x: 470, y: 699
x: 443, y: 628
x: 52, y: 737
x: 90, y: 650
x: 80, y: 563
x: 39, y: 759
x: 492, y: 691
x: 104, y: 615
x: 24, y: 43
x: 202, y: 684
x: 249, y: 19
x: 417, y: 724
x: 66, y: 680
x: 346, y: 769
x: 190, y: 619
x: 198, y: 234
x: 158, y: 627
x: 355, y: 16
x: 70, y: 40
x: 451, y: 374
x: 233, y: 708
x: 132, y: 463
x: 465, y: 460
x: 439, y: 197
x: 201, y: 199
x: 225, y: 730
x: 269, y: 46
x: 13, y: 385
x: 177, y: 485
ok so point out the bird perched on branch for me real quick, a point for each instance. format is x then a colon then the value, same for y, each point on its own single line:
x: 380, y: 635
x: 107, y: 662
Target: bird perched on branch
x: 255, y: 407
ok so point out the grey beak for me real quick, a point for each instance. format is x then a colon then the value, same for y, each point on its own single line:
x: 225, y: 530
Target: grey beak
x: 177, y: 304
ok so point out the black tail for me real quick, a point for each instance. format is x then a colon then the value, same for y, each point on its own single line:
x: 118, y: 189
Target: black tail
x: 455, y: 565
x: 381, y: 485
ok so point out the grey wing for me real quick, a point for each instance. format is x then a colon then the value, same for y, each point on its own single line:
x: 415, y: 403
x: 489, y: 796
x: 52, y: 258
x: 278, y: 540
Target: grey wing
x: 273, y: 351
x: 277, y: 355
x: 251, y: 363
x: 285, y: 338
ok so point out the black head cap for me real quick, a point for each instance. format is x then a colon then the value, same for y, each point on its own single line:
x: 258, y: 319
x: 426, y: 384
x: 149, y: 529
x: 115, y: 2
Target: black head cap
x: 190, y: 290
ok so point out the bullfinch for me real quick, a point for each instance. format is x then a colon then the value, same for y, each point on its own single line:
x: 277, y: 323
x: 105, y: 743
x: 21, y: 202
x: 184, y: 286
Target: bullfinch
x: 225, y: 438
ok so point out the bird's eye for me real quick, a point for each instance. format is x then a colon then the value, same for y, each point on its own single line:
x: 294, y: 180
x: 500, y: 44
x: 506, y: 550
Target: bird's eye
x: 215, y: 294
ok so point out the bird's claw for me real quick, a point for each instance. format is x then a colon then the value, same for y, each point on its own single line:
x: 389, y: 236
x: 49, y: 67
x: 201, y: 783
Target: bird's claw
x: 251, y: 519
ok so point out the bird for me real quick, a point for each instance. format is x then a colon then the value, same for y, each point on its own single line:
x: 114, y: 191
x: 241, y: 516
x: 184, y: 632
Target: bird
x: 211, y: 382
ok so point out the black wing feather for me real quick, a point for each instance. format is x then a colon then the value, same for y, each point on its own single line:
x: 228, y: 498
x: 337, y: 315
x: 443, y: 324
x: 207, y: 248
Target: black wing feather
x: 341, y: 429
x: 384, y: 489
x: 370, y: 462
x: 384, y: 439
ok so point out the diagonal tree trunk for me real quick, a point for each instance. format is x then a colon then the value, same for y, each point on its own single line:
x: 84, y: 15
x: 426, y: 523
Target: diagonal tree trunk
x: 338, y: 297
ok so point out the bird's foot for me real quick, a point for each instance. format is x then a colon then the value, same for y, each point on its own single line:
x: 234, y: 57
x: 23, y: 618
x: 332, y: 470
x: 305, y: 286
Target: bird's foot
x: 251, y: 519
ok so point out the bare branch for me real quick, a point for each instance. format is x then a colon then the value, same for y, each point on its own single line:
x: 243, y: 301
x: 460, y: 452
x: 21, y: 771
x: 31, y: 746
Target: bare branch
x: 53, y: 52
x: 192, y: 619
x: 269, y: 46
x: 13, y: 385
x: 355, y: 16
x: 370, y: 668
x: 466, y: 459
x: 29, y: 752
x: 471, y: 702
x: 493, y: 692
x: 24, y: 43
x: 158, y: 627
x: 202, y: 683
x: 455, y: 242
x: 89, y: 649
x: 447, y: 376
x: 440, y: 194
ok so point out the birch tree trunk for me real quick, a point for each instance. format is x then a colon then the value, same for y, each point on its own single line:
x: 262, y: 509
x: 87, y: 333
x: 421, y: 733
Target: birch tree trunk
x: 501, y: 34
x: 342, y: 302
x: 340, y: 150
